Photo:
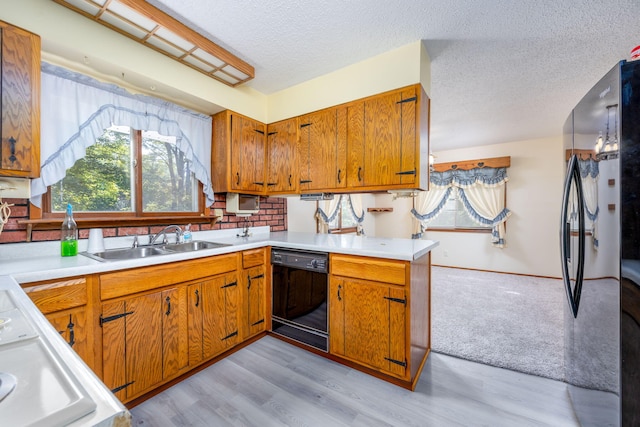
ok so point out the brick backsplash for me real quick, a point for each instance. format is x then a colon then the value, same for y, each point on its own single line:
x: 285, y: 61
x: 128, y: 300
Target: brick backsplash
x: 273, y: 213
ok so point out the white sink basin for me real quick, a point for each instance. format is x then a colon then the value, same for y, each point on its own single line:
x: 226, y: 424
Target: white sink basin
x: 45, y: 392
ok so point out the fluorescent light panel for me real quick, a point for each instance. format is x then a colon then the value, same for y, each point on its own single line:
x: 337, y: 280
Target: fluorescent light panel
x: 150, y: 26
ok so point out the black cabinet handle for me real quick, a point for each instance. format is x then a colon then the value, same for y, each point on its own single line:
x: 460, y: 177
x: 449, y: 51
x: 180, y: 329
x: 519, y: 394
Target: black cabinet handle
x: 197, y: 297
x: 248, y: 281
x: 259, y: 131
x: 339, y: 172
x: 305, y: 181
x: 168, y: 300
x: 72, y: 334
x: 339, y: 289
x: 289, y: 180
x: 413, y: 172
x: 12, y: 147
x: 359, y: 174
x: 237, y: 178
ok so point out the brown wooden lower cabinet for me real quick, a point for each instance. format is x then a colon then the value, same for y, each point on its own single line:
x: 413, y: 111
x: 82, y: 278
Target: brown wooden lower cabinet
x: 65, y: 303
x: 141, y: 328
x: 379, y: 314
x: 367, y: 324
x: 141, y: 342
x: 254, y: 294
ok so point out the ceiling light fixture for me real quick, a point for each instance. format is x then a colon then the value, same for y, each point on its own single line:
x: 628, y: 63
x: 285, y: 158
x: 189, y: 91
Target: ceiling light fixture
x: 608, y: 149
x: 150, y: 26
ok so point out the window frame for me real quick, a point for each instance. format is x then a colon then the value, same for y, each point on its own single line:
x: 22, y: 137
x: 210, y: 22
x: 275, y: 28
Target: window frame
x: 137, y: 213
x: 340, y: 229
x: 494, y: 162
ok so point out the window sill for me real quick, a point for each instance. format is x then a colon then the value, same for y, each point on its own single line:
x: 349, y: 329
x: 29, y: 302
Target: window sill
x: 89, y: 222
x: 461, y: 230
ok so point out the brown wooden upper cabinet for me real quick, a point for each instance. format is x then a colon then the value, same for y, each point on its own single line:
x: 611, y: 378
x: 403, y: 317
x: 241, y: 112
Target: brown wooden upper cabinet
x: 386, y: 134
x: 238, y: 154
x: 322, y: 149
x: 282, y: 157
x: 371, y: 144
x: 20, y: 102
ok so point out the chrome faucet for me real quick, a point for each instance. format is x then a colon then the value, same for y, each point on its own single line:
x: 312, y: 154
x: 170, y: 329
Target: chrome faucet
x: 163, y: 232
x: 245, y: 229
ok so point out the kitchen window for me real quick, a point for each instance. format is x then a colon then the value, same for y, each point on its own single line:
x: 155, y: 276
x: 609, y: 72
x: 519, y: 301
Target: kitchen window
x: 129, y: 171
x: 455, y: 217
x: 119, y: 158
x: 345, y: 221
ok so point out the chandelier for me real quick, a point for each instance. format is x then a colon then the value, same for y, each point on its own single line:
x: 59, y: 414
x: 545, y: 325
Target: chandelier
x: 607, y: 149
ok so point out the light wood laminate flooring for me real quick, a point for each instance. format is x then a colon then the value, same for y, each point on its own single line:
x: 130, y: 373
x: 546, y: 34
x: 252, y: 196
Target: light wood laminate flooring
x: 272, y: 383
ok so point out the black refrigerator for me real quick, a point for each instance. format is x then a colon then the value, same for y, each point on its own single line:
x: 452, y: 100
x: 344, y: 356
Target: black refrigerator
x: 600, y: 250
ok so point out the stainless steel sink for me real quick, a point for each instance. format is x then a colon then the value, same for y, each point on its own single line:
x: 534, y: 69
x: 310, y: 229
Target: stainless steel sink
x: 196, y: 245
x: 148, y: 251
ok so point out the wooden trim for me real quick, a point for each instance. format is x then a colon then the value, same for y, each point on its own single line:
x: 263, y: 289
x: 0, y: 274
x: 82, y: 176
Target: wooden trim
x: 494, y: 271
x: 175, y: 26
x: 93, y: 222
x: 379, y: 210
x: 460, y: 230
x: 494, y: 162
x: 582, y: 154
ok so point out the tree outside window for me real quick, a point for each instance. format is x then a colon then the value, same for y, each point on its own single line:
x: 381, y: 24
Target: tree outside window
x: 107, y: 179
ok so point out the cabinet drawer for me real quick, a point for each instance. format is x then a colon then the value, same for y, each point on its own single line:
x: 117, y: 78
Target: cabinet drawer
x: 126, y: 282
x: 58, y: 295
x: 374, y: 269
x: 253, y: 258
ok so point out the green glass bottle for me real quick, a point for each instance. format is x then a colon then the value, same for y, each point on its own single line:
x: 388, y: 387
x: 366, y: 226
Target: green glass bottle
x: 69, y: 235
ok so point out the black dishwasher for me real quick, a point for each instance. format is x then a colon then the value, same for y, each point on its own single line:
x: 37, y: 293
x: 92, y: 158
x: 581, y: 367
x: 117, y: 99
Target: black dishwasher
x: 299, y: 303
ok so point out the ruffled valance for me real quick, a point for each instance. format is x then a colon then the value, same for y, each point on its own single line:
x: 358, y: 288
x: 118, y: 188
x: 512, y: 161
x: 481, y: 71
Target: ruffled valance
x: 482, y: 192
x: 466, y: 178
x: 76, y: 110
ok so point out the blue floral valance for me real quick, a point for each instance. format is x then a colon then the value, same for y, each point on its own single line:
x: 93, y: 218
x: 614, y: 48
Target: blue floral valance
x: 465, y: 178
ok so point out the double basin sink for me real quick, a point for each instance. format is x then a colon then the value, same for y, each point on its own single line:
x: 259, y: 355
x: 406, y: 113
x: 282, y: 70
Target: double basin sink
x: 153, y: 250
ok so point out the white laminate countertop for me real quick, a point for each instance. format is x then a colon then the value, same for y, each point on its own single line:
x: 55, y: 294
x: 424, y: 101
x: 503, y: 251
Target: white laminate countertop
x: 31, y: 262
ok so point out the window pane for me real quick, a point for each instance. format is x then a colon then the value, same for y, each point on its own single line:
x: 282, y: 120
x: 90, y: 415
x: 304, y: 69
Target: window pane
x: 168, y: 185
x: 101, y: 181
x: 344, y: 218
x: 454, y: 215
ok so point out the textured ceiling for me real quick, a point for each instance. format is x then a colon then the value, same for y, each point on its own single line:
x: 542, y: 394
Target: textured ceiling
x: 502, y: 70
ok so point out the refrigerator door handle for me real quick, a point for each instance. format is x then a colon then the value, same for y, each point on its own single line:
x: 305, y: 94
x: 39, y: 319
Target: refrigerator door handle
x: 573, y: 178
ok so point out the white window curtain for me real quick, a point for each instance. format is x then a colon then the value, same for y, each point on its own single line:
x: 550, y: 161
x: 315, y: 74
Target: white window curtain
x: 326, y: 213
x: 482, y: 192
x: 589, y: 173
x: 76, y: 109
x: 428, y: 204
x: 357, y: 210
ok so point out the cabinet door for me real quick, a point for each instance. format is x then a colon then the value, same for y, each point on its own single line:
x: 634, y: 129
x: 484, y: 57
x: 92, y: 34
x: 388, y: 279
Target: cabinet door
x: 20, y: 102
x: 72, y: 326
x: 256, y: 300
x: 173, y: 359
x: 282, y: 162
x: 321, y: 157
x: 220, y: 314
x: 194, y: 329
x: 143, y: 337
x: 383, y: 140
x: 247, y: 154
x: 132, y: 344
x: 367, y: 324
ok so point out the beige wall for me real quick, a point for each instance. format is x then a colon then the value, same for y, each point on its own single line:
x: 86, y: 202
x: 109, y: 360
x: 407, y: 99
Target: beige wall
x: 400, y: 67
x: 534, y: 194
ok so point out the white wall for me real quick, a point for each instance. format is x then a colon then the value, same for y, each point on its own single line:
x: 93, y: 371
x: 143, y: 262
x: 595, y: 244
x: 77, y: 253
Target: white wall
x: 301, y: 214
x: 534, y: 193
